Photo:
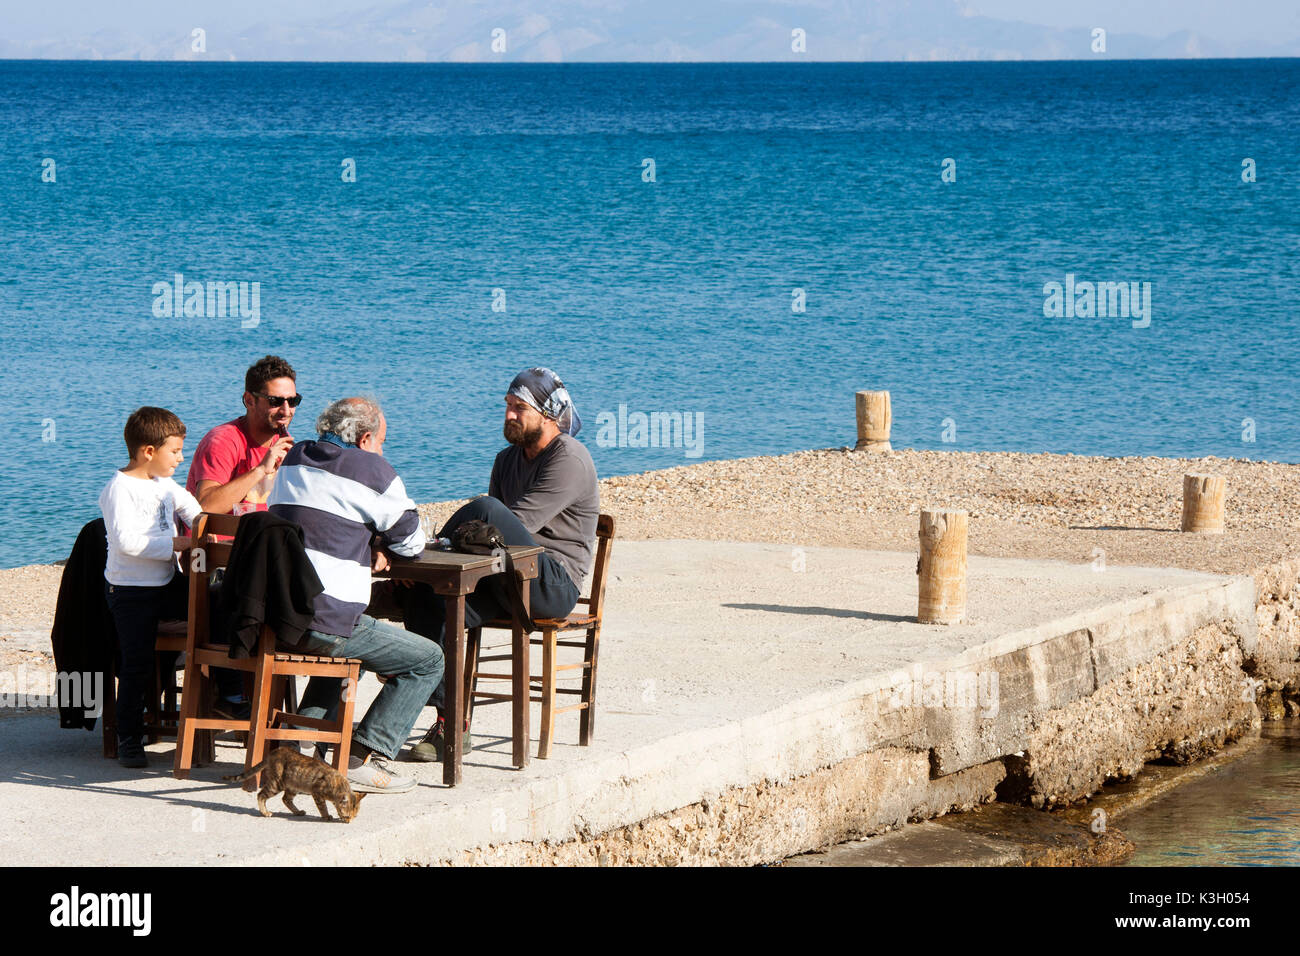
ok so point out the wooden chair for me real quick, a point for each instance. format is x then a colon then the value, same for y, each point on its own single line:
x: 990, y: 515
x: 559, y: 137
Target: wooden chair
x: 271, y: 671
x: 161, y: 710
x: 550, y: 628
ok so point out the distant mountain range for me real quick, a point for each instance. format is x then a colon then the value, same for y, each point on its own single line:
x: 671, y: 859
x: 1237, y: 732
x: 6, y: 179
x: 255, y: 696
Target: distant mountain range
x: 643, y: 30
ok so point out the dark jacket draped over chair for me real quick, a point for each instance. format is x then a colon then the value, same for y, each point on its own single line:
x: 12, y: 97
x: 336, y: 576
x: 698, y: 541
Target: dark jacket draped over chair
x: 83, y: 635
x: 269, y: 580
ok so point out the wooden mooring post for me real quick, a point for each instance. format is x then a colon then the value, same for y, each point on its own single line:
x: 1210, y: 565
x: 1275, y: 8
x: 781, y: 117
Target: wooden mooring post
x: 874, y: 421
x: 1203, y: 500
x: 941, y: 570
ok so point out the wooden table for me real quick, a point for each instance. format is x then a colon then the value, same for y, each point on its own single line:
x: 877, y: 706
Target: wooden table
x: 453, y: 575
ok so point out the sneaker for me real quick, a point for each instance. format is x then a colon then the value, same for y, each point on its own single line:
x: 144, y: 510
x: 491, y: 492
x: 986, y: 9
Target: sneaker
x: 432, y: 748
x: 130, y: 753
x: 372, y: 777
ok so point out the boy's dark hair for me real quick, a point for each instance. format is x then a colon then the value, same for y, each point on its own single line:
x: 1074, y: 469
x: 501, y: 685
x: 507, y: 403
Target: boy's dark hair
x: 265, y: 369
x: 151, y: 426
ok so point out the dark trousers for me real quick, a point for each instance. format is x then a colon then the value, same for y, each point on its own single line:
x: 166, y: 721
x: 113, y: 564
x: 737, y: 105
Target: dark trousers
x: 551, y: 594
x: 136, y: 612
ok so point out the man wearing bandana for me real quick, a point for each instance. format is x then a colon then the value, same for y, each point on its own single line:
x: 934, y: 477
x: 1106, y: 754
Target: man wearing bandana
x: 542, y: 491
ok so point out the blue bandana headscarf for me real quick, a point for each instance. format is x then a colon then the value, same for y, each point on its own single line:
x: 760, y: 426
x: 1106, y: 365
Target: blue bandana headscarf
x: 542, y: 389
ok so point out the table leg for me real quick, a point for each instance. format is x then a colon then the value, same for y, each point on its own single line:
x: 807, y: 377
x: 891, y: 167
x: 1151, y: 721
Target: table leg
x: 522, y: 690
x: 453, y: 679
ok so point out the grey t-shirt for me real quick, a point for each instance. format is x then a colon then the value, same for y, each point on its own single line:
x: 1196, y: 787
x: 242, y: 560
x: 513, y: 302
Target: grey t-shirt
x: 555, y: 496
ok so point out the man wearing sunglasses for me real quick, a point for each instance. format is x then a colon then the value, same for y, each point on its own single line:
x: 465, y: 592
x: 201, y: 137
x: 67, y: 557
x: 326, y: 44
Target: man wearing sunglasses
x: 234, y: 465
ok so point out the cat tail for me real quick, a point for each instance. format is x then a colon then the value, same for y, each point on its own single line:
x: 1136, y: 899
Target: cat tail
x: 247, y: 774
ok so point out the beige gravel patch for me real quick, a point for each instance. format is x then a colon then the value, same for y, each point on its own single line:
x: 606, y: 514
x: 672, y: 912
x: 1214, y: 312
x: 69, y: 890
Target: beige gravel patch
x: 1056, y: 507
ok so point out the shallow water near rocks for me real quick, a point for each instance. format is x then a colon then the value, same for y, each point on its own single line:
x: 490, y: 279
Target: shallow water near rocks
x: 1246, y: 813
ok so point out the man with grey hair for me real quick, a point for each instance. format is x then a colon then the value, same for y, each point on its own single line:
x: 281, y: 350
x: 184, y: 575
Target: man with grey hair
x: 342, y: 493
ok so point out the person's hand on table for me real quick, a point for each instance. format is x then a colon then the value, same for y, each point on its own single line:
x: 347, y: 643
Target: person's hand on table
x: 378, y: 561
x: 381, y: 563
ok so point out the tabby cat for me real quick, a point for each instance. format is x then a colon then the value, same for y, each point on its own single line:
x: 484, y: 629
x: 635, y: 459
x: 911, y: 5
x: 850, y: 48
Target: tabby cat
x: 287, y: 769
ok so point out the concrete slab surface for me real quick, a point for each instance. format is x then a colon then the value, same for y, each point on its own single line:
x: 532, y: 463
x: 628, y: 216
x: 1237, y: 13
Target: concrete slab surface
x: 720, y: 665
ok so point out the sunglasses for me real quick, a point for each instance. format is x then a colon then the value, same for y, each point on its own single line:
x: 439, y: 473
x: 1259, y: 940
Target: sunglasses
x: 275, y: 401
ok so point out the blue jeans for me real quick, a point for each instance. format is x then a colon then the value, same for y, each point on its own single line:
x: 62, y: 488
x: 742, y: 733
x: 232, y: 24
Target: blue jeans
x: 414, y: 667
x: 551, y: 594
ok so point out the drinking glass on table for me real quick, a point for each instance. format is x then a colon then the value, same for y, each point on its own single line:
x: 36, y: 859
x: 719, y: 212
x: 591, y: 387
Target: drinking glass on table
x: 431, y: 538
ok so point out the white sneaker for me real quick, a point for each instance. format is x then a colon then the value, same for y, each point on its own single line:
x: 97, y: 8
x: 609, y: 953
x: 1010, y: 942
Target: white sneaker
x: 372, y: 777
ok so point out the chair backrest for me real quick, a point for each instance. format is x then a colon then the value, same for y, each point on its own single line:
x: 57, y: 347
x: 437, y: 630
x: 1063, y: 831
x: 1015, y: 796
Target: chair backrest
x: 219, y: 526
x: 206, y: 539
x: 604, y: 543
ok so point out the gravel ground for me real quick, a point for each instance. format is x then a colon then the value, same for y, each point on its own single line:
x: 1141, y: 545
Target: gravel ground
x: 1059, y: 507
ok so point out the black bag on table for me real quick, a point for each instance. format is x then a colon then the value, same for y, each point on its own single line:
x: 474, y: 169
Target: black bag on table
x: 479, y: 537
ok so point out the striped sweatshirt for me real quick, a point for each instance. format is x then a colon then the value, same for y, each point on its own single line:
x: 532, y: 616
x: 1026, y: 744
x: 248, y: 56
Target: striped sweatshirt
x: 340, y: 497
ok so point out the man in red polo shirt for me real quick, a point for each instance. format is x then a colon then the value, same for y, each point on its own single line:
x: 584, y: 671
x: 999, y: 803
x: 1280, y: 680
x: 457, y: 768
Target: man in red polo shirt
x: 234, y: 465
x: 234, y: 468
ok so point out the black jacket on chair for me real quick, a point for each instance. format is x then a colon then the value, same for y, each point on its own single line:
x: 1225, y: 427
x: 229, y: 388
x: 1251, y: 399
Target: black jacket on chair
x: 83, y: 635
x: 269, y: 580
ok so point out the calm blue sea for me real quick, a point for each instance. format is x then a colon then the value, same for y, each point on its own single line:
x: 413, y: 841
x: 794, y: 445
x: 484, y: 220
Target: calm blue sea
x: 671, y: 296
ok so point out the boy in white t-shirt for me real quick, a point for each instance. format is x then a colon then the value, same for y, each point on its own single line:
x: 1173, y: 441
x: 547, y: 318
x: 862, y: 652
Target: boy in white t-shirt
x: 141, y: 581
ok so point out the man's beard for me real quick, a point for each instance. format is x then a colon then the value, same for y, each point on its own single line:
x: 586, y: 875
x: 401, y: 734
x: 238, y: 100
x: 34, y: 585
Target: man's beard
x: 516, y: 435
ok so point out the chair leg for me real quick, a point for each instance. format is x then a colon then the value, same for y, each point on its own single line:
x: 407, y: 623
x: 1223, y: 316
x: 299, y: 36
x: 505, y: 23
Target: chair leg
x: 587, y: 722
x: 250, y: 683
x: 206, y: 745
x: 169, y: 690
x: 193, y: 690
x: 471, y: 672
x: 291, y: 694
x: 260, y: 717
x: 344, y: 748
x: 278, y: 696
x: 547, y: 731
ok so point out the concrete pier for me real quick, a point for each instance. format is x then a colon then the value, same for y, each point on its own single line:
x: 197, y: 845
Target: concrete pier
x: 755, y: 701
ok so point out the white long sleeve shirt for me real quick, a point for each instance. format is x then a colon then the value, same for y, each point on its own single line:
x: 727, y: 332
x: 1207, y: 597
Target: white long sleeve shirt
x: 140, y: 515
